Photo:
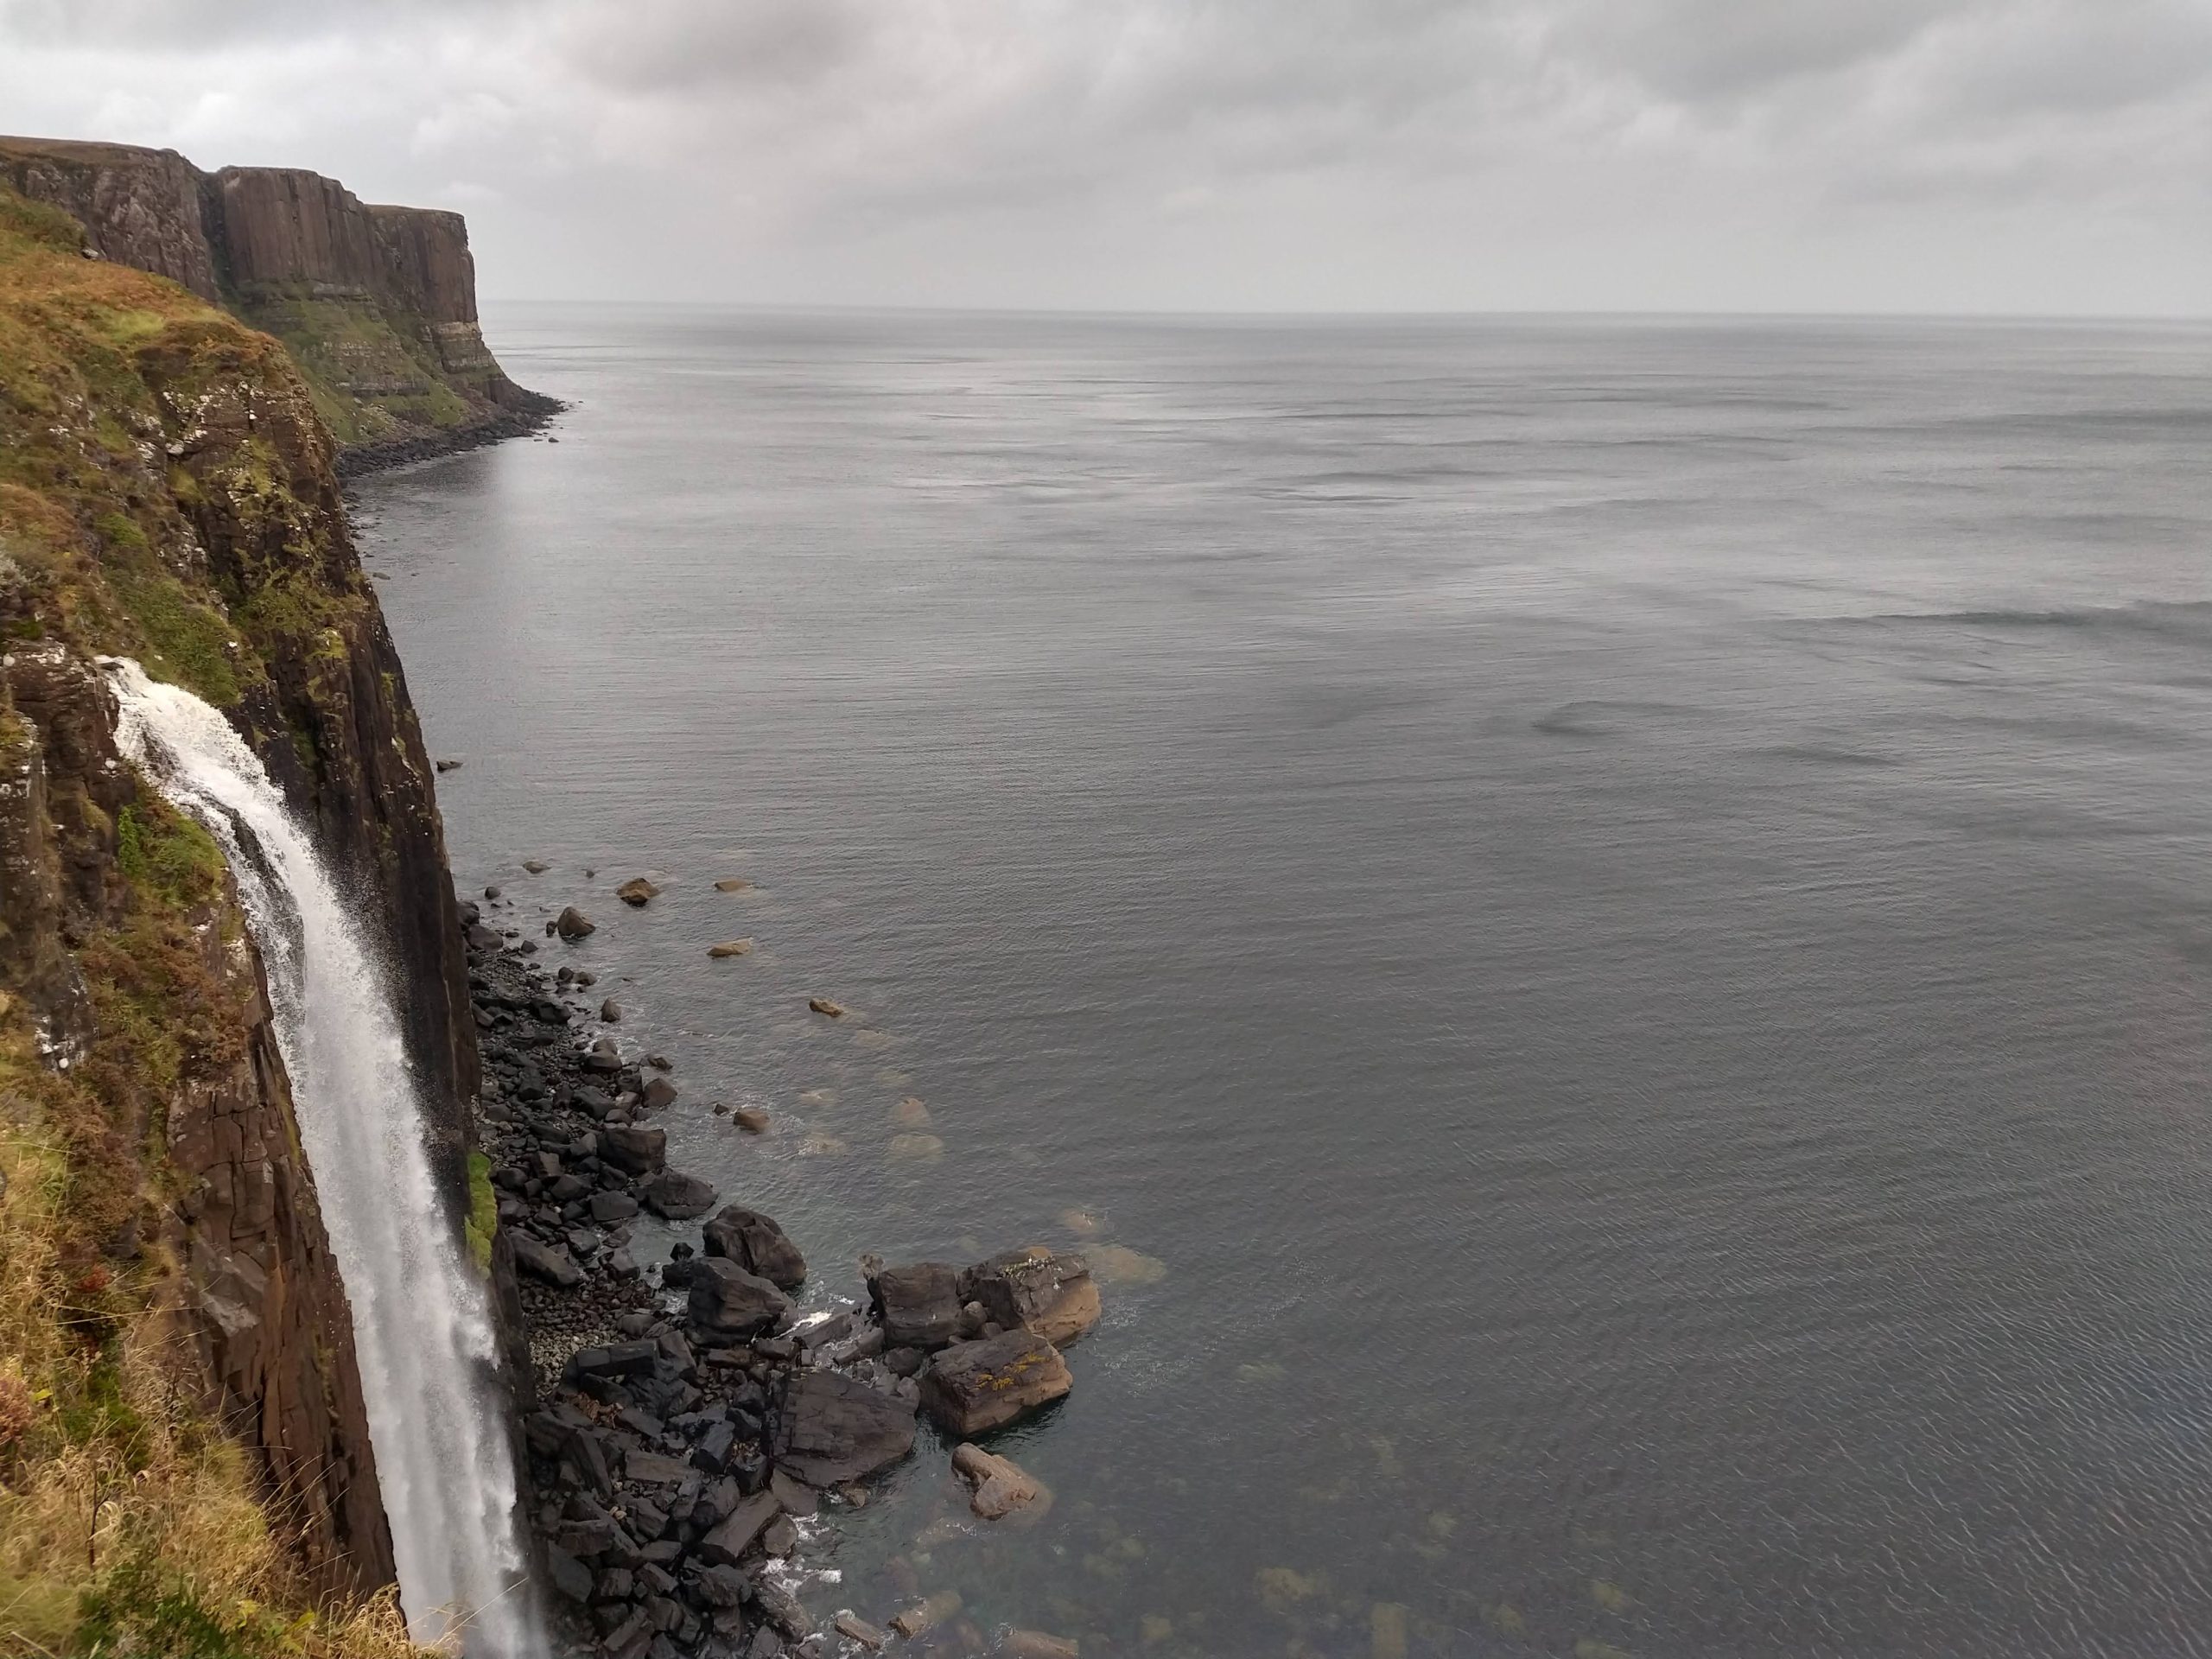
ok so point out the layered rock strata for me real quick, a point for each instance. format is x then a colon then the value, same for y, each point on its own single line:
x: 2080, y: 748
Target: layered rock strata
x: 376, y: 303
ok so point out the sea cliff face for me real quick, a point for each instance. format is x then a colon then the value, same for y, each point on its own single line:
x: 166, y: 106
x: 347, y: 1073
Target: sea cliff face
x: 168, y: 493
x: 377, y: 304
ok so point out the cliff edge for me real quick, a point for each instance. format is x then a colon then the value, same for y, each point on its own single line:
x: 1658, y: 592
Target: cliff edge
x: 183, y: 1443
x: 376, y: 305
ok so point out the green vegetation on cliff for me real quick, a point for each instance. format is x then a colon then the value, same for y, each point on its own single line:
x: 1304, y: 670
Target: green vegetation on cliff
x: 372, y: 381
x: 147, y: 499
x: 376, y: 305
x: 163, y: 494
x: 130, y: 1523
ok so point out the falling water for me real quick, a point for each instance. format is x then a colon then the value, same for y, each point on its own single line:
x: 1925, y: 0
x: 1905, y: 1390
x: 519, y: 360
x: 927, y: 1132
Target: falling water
x: 420, y: 1326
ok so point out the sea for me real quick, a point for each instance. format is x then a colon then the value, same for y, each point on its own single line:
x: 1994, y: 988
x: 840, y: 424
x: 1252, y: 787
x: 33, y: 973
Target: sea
x: 1601, y: 928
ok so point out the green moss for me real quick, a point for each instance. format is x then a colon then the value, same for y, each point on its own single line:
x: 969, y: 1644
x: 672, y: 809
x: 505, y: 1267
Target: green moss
x: 26, y: 221
x: 372, y: 374
x: 187, y: 640
x: 167, y: 856
x: 121, y: 532
x: 483, y: 1223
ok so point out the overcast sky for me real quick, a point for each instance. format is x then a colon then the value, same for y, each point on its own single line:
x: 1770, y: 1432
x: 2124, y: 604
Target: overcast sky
x: 2004, y: 156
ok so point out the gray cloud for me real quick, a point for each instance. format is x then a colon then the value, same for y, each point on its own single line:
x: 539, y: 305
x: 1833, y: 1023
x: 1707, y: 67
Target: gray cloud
x: 1946, y: 153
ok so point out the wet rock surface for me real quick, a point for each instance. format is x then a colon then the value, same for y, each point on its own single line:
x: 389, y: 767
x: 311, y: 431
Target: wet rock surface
x: 694, y: 1426
x: 975, y: 1387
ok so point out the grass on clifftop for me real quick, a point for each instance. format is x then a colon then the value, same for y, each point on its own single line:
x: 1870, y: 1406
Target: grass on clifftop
x: 112, y: 478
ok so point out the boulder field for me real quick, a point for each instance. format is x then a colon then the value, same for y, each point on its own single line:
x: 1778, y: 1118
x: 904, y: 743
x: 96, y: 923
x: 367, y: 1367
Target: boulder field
x: 688, y: 1414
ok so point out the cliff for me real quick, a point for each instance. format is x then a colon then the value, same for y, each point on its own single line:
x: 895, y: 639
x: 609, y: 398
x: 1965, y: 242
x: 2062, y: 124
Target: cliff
x: 377, y: 304
x: 180, y: 1413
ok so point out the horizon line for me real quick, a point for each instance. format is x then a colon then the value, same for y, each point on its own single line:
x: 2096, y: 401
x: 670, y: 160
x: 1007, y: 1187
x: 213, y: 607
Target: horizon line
x: 1369, y: 315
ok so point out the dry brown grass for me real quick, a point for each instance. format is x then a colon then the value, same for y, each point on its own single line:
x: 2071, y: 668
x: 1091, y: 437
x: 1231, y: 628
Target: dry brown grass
x: 128, y: 1524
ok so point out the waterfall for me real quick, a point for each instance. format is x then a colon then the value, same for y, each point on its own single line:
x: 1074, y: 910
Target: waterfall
x: 422, y: 1324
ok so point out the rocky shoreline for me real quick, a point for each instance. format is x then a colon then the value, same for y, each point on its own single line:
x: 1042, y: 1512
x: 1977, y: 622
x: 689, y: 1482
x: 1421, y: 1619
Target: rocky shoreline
x: 522, y: 414
x: 687, y: 1428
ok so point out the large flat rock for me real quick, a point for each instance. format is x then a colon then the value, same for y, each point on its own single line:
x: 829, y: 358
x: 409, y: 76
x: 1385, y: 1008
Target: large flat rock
x: 975, y: 1387
x: 833, y: 1429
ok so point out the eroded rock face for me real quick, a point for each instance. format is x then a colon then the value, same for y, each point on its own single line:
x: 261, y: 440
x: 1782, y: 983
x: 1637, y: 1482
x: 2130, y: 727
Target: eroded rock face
x: 975, y: 1387
x: 229, y: 481
x: 260, y: 1299
x: 142, y: 207
x: 268, y: 242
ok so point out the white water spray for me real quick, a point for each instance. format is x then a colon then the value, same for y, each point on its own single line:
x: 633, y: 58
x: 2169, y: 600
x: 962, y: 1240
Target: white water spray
x: 422, y: 1327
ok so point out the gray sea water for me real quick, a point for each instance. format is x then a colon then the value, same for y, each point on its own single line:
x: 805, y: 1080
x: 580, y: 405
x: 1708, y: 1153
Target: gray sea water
x: 1604, y: 927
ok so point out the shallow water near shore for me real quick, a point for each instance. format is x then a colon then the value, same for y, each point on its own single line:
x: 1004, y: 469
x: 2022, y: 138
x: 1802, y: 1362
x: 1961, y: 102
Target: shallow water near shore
x: 1602, y: 927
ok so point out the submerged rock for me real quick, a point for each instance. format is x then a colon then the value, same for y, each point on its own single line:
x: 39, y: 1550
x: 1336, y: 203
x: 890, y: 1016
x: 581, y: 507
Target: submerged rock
x: 732, y: 884
x: 1002, y: 1487
x: 974, y: 1387
x: 927, y: 1615
x: 853, y: 1628
x: 730, y: 948
x: 911, y: 1114
x: 833, y: 1429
